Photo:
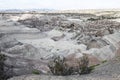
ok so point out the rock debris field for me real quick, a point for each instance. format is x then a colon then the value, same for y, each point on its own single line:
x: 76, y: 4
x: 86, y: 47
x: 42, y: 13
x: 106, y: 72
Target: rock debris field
x: 29, y: 41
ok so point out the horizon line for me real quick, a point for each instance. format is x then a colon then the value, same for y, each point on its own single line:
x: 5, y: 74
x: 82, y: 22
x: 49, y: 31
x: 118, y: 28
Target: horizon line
x: 59, y: 9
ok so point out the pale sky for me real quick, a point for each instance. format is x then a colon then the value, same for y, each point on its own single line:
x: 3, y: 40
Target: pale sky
x: 59, y: 4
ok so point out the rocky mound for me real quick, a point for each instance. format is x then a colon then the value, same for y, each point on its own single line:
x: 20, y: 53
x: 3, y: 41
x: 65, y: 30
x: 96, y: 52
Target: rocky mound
x: 43, y: 23
x: 30, y: 44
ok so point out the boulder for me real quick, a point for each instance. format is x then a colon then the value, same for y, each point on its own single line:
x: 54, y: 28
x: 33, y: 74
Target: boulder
x: 104, y: 53
x: 22, y: 58
x: 113, y: 39
x: 93, y: 60
x: 72, y: 59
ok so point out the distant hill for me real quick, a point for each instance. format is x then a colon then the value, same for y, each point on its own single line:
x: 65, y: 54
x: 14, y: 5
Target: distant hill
x: 25, y: 10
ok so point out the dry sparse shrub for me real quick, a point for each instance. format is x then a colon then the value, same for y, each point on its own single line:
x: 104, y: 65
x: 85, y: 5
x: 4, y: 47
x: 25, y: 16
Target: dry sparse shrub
x: 59, y: 67
x: 83, y: 65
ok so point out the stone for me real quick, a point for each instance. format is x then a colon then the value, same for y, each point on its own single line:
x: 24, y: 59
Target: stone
x: 93, y: 60
x: 72, y: 59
